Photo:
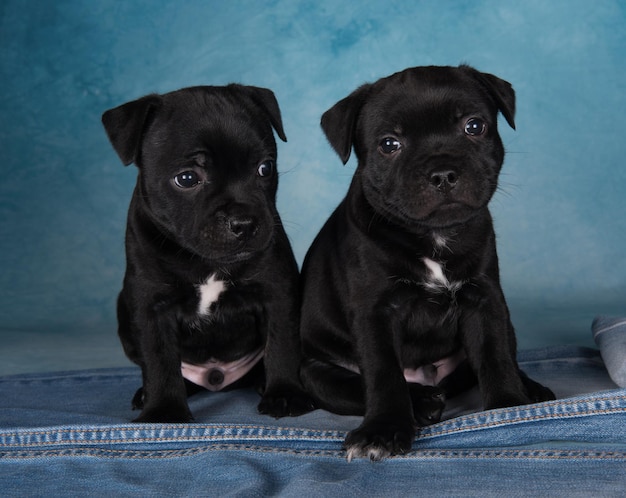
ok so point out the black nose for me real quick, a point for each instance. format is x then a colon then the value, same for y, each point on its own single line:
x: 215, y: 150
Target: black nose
x: 444, y: 180
x: 242, y: 227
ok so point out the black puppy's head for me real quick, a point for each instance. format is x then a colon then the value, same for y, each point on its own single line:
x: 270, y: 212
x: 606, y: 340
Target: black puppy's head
x: 427, y: 142
x: 207, y: 166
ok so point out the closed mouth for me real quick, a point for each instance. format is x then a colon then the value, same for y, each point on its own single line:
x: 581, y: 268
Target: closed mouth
x: 235, y: 257
x: 243, y: 252
x: 446, y: 208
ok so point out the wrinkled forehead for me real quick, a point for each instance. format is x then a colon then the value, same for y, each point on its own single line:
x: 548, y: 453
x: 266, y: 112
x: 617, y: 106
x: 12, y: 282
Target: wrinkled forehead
x: 201, y: 120
x: 214, y: 110
x: 424, y: 98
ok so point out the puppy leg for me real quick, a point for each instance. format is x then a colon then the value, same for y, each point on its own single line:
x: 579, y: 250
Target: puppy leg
x: 137, y: 402
x: 149, y: 340
x: 490, y: 347
x: 536, y: 392
x: 334, y: 388
x: 164, y: 396
x: 283, y: 394
x: 503, y: 349
x: 190, y: 388
x: 388, y: 427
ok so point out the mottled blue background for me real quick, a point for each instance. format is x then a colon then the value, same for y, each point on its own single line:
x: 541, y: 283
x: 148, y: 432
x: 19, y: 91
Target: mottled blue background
x: 63, y: 192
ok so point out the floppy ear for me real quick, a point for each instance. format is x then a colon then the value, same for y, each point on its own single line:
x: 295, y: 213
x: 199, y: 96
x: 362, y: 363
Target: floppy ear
x: 265, y: 98
x: 125, y: 124
x: 500, y: 90
x: 339, y: 122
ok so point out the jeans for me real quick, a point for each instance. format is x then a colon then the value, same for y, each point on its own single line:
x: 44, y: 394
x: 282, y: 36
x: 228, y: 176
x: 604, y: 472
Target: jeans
x: 68, y: 434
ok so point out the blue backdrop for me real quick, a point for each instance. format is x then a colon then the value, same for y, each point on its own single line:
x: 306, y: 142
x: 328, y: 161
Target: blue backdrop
x: 560, y: 214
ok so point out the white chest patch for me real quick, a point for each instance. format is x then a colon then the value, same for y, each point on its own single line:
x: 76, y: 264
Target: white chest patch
x: 208, y: 293
x: 438, y: 282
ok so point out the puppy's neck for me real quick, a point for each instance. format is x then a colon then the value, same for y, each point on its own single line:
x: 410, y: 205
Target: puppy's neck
x: 441, y: 241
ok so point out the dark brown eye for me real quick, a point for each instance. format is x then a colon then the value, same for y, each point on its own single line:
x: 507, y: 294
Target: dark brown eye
x: 187, y: 179
x: 389, y: 145
x: 475, y: 127
x: 266, y: 168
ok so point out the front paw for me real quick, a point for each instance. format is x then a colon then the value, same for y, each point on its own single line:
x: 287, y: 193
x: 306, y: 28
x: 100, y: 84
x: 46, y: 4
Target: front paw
x: 166, y: 413
x: 537, y: 392
x: 138, y: 400
x: 379, y: 439
x: 506, y: 400
x: 286, y: 404
x: 533, y: 393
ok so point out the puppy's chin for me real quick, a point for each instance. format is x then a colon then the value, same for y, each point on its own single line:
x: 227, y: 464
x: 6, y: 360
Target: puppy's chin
x: 400, y: 207
x: 448, y: 215
x: 233, y: 258
x: 227, y: 252
x: 443, y: 215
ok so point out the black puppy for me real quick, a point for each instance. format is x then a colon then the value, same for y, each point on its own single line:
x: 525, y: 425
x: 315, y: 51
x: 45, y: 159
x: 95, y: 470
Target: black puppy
x: 401, y: 286
x: 211, y: 286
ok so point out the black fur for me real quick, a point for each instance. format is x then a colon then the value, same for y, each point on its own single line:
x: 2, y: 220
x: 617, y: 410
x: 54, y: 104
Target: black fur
x: 225, y: 225
x: 371, y: 304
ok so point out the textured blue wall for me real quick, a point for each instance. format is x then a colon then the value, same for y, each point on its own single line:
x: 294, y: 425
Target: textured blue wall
x: 63, y: 192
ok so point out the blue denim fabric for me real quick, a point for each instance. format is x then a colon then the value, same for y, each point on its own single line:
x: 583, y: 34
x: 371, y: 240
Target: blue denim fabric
x: 68, y: 434
x: 609, y: 333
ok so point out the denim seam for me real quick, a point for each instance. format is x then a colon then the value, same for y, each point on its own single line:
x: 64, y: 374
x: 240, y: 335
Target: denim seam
x: 511, y: 454
x: 322, y: 437
x: 516, y: 421
x: 296, y: 435
x: 255, y: 432
x: 602, y: 330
